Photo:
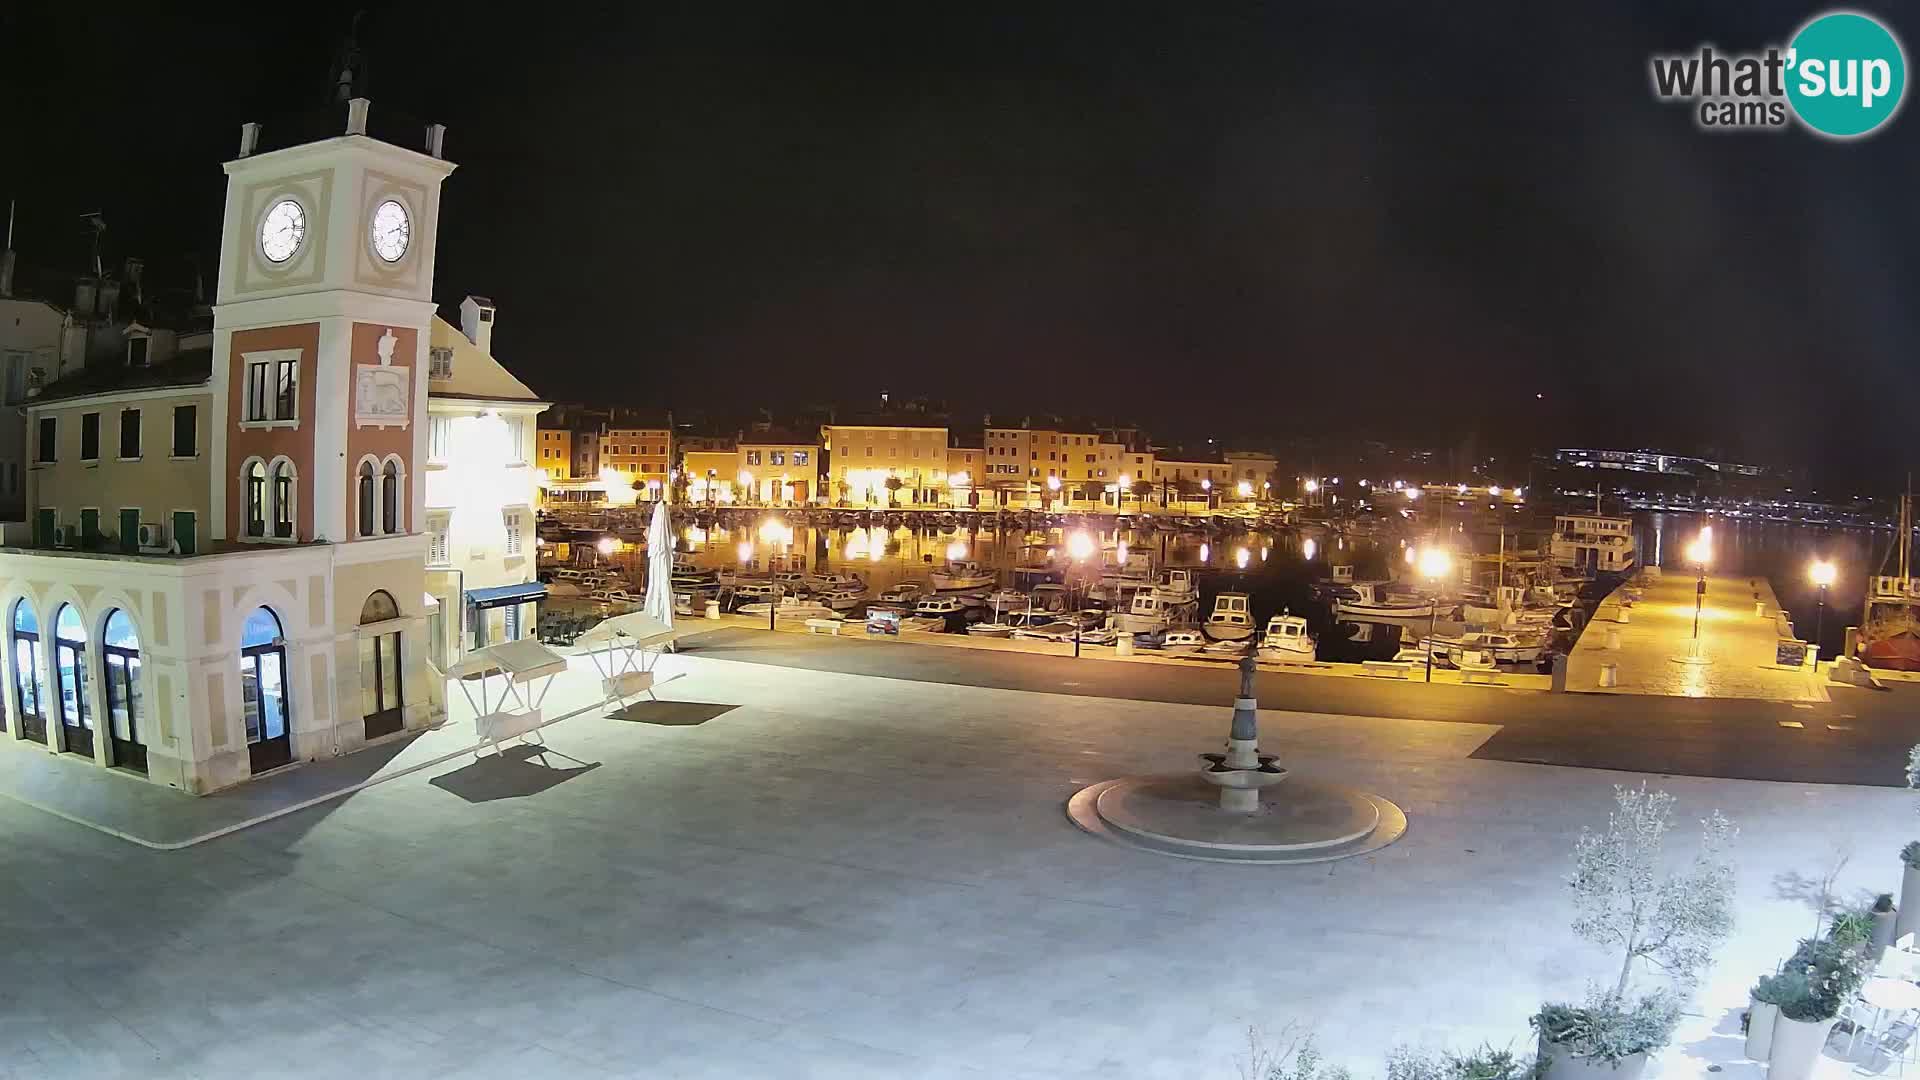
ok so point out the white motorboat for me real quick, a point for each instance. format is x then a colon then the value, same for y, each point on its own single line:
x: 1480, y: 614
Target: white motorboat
x: 942, y: 606
x: 825, y: 582
x: 905, y: 592
x: 1068, y: 630
x: 1007, y: 599
x: 994, y: 629
x: 845, y: 598
x: 1287, y: 636
x: 929, y: 624
x: 1231, y: 619
x: 1370, y: 599
x: 1048, y: 597
x: 1182, y: 641
x: 1503, y: 648
x: 1134, y: 571
x: 790, y: 607
x: 959, y: 574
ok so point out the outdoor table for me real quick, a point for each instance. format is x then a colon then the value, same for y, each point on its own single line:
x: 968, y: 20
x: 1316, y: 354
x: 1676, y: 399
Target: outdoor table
x: 1897, y: 995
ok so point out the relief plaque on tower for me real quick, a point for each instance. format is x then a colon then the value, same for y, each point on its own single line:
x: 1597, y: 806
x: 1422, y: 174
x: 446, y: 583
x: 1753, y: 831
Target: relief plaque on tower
x: 382, y: 393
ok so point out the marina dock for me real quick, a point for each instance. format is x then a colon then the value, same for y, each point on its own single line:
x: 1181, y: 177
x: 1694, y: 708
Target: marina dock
x: 1653, y: 650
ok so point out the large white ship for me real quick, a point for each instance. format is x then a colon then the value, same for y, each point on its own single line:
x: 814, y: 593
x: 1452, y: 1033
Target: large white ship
x: 1594, y: 543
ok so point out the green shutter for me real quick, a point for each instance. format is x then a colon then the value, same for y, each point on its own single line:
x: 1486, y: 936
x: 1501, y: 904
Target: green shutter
x: 183, y: 531
x: 43, y: 522
x: 89, y: 527
x: 130, y: 530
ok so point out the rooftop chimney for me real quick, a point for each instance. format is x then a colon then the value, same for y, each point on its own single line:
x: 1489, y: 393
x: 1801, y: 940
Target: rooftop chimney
x: 476, y: 321
x: 249, y: 138
x: 357, y: 116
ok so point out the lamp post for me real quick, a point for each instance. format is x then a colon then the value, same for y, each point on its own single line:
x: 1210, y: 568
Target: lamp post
x: 1823, y: 572
x: 1079, y: 547
x: 1433, y: 566
x: 1206, y: 487
x: 1053, y: 491
x: 1700, y: 553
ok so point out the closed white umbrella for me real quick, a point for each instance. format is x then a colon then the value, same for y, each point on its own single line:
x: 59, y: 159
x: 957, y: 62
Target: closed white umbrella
x: 659, y: 603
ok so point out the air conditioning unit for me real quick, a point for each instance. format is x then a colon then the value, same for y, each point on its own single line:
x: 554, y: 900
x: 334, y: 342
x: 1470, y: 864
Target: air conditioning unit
x: 153, y: 538
x: 65, y: 536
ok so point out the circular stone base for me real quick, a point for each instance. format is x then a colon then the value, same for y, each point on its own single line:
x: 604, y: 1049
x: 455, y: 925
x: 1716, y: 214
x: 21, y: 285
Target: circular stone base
x: 1299, y: 821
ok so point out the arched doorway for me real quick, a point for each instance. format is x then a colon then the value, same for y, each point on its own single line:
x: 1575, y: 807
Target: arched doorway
x: 120, y: 662
x: 29, y: 691
x: 380, y: 700
x: 263, y: 691
x: 70, y: 680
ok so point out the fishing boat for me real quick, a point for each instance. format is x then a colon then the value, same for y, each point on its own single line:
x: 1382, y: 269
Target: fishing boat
x: 1593, y: 543
x: 1371, y: 600
x: 1889, y: 635
x: 834, y: 580
x: 1231, y: 619
x: 1286, y: 636
x: 960, y: 574
x: 1146, y: 614
x: 1175, y: 586
x: 1179, y: 641
x: 930, y: 624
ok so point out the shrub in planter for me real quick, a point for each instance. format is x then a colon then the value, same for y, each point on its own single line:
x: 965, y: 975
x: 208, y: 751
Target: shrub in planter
x: 1766, y: 995
x: 1608, y: 1029
x: 1909, y: 917
x: 1883, y: 914
x: 1820, y: 976
x: 1486, y: 1063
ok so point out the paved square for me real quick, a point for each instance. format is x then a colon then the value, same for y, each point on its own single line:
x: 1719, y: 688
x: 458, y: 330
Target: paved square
x: 809, y: 874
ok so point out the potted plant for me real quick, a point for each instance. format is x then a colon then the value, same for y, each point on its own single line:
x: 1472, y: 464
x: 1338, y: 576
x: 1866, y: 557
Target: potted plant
x: 1486, y: 1063
x: 1624, y: 901
x: 1761, y: 1014
x: 1815, y: 982
x: 1908, y: 920
x: 1884, y: 915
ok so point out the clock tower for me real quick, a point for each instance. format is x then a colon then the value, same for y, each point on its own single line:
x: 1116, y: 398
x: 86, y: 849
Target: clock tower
x: 320, y: 330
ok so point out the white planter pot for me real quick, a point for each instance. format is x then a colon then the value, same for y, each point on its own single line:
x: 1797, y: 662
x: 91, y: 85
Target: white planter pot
x: 1885, y: 924
x: 1909, y: 919
x: 1562, y: 1065
x: 1760, y: 1018
x: 1796, y: 1048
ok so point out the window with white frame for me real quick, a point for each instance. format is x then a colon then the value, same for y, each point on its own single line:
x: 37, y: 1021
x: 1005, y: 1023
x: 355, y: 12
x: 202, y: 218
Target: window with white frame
x: 516, y: 438
x: 273, y: 390
x: 437, y: 538
x: 439, y: 437
x: 514, y: 523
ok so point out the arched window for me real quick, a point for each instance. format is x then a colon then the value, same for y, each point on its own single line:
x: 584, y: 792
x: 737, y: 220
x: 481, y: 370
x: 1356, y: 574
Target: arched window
x: 120, y: 662
x: 283, y: 505
x: 29, y: 691
x: 390, y: 498
x: 263, y: 691
x: 256, y: 476
x: 381, y: 705
x: 367, y: 483
x: 69, y: 674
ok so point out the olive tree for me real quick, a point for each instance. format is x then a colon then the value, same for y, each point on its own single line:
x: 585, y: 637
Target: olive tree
x: 1626, y: 900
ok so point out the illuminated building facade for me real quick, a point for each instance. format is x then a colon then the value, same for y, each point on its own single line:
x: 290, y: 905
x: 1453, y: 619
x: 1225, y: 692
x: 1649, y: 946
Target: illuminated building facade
x: 862, y: 458
x: 482, y: 483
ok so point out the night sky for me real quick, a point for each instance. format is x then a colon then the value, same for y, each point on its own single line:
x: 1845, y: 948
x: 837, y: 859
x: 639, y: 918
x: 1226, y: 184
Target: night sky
x: 1395, y: 221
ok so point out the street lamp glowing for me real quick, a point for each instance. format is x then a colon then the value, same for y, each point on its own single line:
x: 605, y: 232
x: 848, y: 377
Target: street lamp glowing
x: 1823, y: 572
x: 1080, y: 545
x: 1053, y: 483
x: 1241, y: 557
x: 1308, y: 549
x: 1413, y: 555
x: 1313, y: 486
x: 958, y: 479
x: 1125, y: 482
x: 606, y: 545
x: 745, y: 551
x: 1206, y: 484
x: 1245, y: 489
x: 1413, y: 493
x: 773, y: 531
x: 1700, y: 552
x: 1494, y: 491
x: 1434, y: 563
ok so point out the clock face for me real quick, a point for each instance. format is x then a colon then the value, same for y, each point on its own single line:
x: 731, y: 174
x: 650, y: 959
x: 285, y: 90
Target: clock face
x: 390, y: 231
x: 282, y: 231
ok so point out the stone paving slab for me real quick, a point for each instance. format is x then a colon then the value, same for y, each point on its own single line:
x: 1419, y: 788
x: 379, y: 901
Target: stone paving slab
x: 1737, y: 643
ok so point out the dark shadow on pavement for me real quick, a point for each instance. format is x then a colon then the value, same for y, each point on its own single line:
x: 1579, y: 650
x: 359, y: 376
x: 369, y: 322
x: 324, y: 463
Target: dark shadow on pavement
x: 510, y: 774
x: 671, y: 713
